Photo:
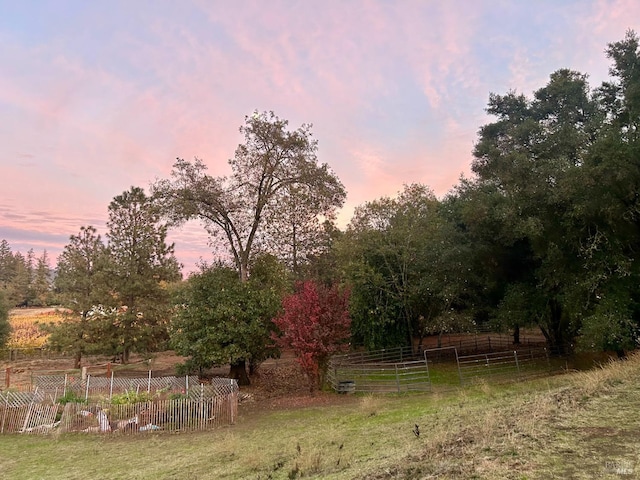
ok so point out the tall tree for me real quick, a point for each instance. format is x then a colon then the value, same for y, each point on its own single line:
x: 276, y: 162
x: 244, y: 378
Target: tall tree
x: 610, y: 206
x: 531, y: 156
x: 141, y: 264
x: 20, y: 293
x: 81, y: 284
x: 403, y: 269
x: 7, y: 266
x: 273, y: 170
x: 41, y: 286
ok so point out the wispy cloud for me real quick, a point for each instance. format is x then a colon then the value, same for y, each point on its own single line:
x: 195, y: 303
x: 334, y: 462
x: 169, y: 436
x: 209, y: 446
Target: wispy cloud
x: 95, y: 102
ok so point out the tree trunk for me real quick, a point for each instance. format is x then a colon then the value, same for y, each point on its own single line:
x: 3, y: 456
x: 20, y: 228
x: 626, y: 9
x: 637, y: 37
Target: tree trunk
x: 77, y: 359
x: 238, y: 371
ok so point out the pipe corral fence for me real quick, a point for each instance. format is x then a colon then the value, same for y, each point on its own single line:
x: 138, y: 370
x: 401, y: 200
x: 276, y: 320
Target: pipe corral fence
x: 407, y: 369
x: 180, y: 404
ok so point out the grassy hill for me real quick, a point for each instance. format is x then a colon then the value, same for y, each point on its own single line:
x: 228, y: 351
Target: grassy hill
x: 577, y: 425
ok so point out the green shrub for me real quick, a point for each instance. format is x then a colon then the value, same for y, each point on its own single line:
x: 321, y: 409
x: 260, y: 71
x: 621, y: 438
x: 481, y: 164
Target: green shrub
x: 71, y: 397
x: 130, y: 397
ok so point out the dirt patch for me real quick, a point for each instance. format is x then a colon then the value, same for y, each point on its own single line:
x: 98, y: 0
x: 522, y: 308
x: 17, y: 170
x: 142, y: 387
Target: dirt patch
x: 277, y: 384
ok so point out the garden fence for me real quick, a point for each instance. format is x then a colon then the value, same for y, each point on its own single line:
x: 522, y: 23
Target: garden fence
x: 98, y: 387
x: 199, y: 407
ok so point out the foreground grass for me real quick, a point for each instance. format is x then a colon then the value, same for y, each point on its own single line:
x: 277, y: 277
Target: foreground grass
x: 581, y: 425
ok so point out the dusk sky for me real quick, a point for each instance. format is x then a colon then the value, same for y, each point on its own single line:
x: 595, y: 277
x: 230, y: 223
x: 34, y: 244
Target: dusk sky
x: 98, y: 96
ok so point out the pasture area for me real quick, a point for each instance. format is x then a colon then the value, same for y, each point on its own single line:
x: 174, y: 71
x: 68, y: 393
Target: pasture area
x: 579, y: 425
x: 24, y: 326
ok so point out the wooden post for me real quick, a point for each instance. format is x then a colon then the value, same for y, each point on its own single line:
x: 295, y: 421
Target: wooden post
x: 108, y: 369
x: 8, y: 377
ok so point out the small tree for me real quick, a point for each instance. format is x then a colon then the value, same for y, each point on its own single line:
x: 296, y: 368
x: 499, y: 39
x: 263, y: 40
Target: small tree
x: 315, y: 323
x: 221, y: 320
x: 81, y: 284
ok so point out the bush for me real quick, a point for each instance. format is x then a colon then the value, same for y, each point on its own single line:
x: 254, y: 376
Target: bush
x: 71, y: 397
x: 130, y: 397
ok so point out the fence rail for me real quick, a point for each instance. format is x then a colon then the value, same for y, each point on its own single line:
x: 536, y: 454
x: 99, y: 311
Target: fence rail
x: 347, y: 377
x: 506, y: 364
x: 382, y: 371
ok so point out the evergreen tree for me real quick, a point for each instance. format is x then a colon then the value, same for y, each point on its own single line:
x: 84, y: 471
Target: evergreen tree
x: 5, y: 326
x: 81, y: 284
x: 141, y: 264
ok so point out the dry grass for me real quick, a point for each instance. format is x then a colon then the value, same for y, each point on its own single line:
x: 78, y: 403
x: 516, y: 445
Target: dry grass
x: 25, y: 332
x: 579, y: 425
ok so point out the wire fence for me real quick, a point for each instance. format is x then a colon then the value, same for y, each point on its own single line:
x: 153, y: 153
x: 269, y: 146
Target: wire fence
x: 479, y: 343
x: 198, y: 407
x: 506, y: 365
x: 100, y: 387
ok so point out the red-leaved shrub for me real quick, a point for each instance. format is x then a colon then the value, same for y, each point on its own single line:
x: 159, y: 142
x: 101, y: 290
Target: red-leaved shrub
x: 315, y: 324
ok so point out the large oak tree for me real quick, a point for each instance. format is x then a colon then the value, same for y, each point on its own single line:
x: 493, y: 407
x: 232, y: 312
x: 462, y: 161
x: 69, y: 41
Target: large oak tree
x: 274, y: 200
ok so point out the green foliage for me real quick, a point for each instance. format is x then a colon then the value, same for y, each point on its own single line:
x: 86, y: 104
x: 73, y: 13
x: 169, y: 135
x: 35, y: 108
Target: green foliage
x: 404, y: 269
x: 140, y: 267
x: 5, y: 326
x: 25, y: 280
x: 553, y: 210
x: 220, y: 320
x: 130, y: 397
x: 71, y: 397
x: 81, y: 283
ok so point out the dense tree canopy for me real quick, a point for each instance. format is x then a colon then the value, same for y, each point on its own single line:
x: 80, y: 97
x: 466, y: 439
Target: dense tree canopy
x: 403, y: 267
x: 553, y: 205
x: 5, y: 326
x: 24, y: 279
x: 220, y: 320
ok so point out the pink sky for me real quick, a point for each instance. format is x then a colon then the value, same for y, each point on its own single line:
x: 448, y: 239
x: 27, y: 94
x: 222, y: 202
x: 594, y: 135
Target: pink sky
x: 98, y: 96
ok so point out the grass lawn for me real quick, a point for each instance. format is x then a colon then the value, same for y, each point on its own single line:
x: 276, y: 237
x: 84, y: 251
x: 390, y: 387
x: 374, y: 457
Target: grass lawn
x: 579, y: 425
